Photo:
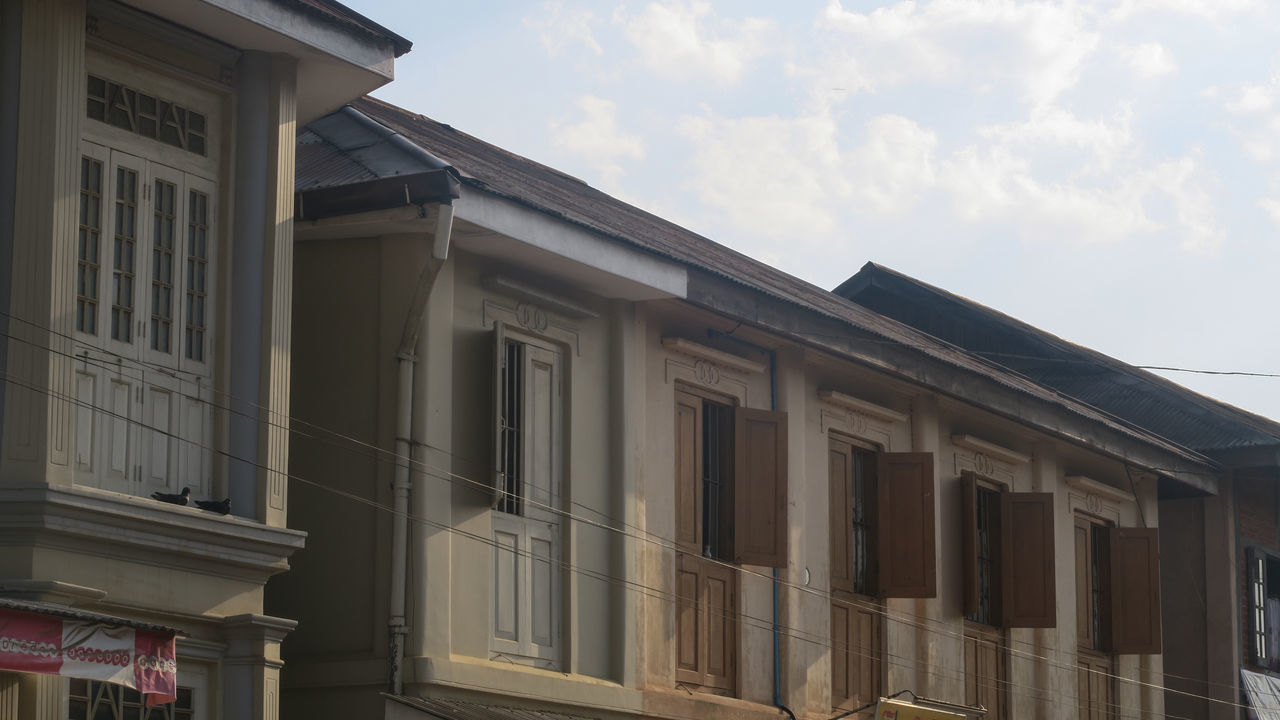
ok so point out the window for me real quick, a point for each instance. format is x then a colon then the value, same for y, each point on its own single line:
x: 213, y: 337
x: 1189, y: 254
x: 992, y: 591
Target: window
x: 528, y: 480
x: 145, y: 253
x: 1096, y: 684
x: 1007, y: 541
x: 882, y: 545
x: 730, y: 474
x: 93, y: 700
x: 1264, y: 608
x: 1117, y: 605
x: 857, y: 648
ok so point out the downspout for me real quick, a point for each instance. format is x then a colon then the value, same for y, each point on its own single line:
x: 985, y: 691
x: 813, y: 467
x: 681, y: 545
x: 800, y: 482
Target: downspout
x: 406, y: 359
x: 777, y: 628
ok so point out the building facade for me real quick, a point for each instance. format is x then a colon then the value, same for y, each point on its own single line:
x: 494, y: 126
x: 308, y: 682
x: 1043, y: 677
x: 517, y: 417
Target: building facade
x: 146, y: 173
x: 573, y: 459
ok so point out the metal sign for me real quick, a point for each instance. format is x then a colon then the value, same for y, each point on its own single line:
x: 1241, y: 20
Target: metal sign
x: 898, y: 710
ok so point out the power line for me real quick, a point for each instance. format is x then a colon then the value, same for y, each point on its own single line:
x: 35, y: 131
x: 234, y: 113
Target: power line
x: 908, y: 619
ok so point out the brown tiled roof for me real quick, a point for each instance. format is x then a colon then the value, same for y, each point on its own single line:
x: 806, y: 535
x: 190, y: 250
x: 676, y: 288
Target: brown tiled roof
x: 494, y: 170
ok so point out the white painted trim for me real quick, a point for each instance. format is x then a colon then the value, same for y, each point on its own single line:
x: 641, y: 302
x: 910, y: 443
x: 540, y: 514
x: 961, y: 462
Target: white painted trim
x: 711, y: 355
x: 572, y: 242
x: 990, y: 449
x: 848, y: 402
x: 1089, y: 486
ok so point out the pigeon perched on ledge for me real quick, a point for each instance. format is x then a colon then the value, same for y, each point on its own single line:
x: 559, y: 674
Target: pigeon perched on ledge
x: 219, y: 506
x: 174, y: 498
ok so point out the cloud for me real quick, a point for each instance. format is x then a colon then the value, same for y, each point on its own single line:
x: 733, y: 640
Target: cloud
x: 1148, y: 59
x: 1253, y: 98
x: 559, y: 28
x: 1039, y: 47
x: 1210, y: 9
x: 598, y: 139
x: 677, y: 39
x: 769, y: 175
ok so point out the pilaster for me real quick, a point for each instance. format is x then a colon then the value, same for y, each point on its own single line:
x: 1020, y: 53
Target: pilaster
x: 8, y: 696
x: 251, y: 665
x: 278, y: 295
x: 37, y: 411
x: 41, y: 697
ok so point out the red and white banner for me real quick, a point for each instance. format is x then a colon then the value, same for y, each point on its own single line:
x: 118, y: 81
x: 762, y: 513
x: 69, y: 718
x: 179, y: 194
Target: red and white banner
x: 139, y: 659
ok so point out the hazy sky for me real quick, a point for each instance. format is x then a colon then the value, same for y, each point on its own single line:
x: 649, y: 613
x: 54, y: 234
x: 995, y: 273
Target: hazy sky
x: 1107, y: 171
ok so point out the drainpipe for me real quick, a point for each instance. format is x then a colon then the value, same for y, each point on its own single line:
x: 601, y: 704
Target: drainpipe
x: 777, y: 629
x: 405, y: 359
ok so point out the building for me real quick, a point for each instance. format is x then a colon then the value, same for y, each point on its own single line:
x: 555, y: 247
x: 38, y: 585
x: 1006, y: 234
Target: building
x: 567, y: 458
x: 1220, y: 553
x: 146, y: 250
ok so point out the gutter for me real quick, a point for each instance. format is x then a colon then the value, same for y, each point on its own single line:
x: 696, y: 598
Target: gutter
x: 406, y: 359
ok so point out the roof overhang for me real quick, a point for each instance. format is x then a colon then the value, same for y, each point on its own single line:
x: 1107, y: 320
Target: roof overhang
x: 336, y: 63
x: 432, y: 186
x: 1057, y: 417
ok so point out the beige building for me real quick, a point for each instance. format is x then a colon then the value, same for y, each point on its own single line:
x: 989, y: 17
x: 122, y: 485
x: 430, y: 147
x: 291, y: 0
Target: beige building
x: 146, y: 250
x: 562, y: 455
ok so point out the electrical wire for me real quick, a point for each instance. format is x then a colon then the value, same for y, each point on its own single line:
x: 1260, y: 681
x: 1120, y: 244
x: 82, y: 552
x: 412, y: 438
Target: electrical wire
x: 760, y: 623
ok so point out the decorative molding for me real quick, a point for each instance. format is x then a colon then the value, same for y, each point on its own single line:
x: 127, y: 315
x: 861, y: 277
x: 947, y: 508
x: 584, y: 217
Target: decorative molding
x: 706, y: 374
x: 990, y: 449
x: 532, y: 319
x: 116, y: 526
x: 711, y: 355
x: 536, y: 296
x: 1094, y: 488
x: 984, y: 465
x: 862, y: 407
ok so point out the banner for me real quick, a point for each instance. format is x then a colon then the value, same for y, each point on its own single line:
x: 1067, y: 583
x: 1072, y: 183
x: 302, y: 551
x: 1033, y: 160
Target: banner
x: 896, y: 710
x: 139, y: 659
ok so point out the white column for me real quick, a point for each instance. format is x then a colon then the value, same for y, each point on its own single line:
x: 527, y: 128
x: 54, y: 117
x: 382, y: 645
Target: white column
x: 251, y: 666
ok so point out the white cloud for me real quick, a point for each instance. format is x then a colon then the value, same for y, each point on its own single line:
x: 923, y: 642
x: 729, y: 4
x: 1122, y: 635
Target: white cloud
x: 1255, y: 98
x: 1148, y: 59
x: 1271, y: 207
x: 895, y: 164
x: 678, y: 39
x: 1052, y: 126
x: 598, y: 139
x: 1039, y: 47
x: 1210, y: 9
x: 559, y: 28
x: 769, y: 175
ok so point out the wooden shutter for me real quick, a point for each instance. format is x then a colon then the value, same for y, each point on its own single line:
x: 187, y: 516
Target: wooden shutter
x: 760, y: 487
x: 706, y: 623
x: 855, y: 653
x: 499, y: 422
x: 688, y: 454
x: 690, y: 654
x: 1135, y: 591
x: 839, y: 469
x: 1028, y: 590
x: 969, y: 540
x: 905, y: 530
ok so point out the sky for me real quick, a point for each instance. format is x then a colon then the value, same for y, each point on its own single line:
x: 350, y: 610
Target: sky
x: 1106, y: 171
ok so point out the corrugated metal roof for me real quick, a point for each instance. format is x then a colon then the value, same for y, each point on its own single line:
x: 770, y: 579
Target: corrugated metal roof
x: 346, y: 147
x: 55, y: 610
x: 1135, y: 395
x: 446, y: 709
x: 500, y: 172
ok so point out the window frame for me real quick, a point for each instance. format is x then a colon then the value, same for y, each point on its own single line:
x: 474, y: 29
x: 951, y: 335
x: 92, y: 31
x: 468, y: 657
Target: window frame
x: 526, y: 526
x: 857, y: 627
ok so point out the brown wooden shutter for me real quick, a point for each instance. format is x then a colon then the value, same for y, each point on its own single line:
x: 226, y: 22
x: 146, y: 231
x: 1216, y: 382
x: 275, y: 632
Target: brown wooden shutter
x: 855, y: 653
x: 906, y: 525
x: 1135, y: 591
x: 688, y: 452
x: 690, y: 653
x: 969, y: 540
x: 499, y: 422
x: 720, y: 613
x: 1029, y: 596
x: 760, y: 487
x: 839, y: 469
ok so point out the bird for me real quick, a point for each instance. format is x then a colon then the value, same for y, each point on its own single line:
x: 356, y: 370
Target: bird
x: 219, y: 506
x: 175, y: 498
